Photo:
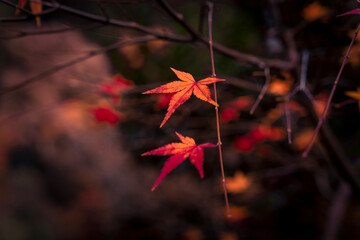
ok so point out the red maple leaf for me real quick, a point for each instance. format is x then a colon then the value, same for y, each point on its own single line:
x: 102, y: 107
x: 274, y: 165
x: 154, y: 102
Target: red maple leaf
x: 187, y: 148
x: 114, y: 88
x: 105, y: 114
x: 122, y: 82
x: 184, y: 89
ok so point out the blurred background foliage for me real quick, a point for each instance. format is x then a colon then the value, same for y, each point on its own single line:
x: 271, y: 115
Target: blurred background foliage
x: 70, y: 142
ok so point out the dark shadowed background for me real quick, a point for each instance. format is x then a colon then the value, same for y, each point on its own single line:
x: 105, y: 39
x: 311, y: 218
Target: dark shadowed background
x: 73, y: 121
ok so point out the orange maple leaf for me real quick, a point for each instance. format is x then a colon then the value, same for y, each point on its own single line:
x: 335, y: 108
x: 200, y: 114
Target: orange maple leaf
x: 187, y: 148
x: 183, y: 90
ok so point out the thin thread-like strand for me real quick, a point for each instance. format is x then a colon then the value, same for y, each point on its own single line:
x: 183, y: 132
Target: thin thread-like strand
x: 210, y: 14
x: 326, y: 109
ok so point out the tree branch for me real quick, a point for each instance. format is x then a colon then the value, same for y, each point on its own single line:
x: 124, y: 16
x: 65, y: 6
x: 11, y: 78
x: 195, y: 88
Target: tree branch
x: 57, y: 68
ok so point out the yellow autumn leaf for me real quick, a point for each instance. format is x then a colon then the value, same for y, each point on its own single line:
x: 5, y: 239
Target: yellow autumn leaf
x: 238, y: 183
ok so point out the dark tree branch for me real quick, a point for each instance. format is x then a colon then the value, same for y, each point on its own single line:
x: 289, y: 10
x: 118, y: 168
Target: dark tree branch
x: 239, y: 57
x: 327, y: 105
x: 19, y: 34
x: 336, y: 154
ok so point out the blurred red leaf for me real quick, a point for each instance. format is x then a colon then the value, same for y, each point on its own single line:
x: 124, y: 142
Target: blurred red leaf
x: 275, y: 134
x: 184, y: 89
x: 105, y: 114
x: 244, y: 143
x: 114, y: 89
x: 241, y: 103
x: 187, y: 148
x: 259, y: 134
x: 163, y: 100
x: 122, y: 82
x: 231, y: 111
x: 228, y: 114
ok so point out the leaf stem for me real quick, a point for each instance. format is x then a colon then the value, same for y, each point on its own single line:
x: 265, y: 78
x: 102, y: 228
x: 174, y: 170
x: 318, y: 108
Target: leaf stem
x: 210, y: 14
x: 326, y: 109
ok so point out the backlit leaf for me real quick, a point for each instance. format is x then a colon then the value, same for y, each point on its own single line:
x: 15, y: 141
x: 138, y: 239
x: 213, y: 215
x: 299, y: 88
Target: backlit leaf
x: 187, y: 148
x: 184, y: 89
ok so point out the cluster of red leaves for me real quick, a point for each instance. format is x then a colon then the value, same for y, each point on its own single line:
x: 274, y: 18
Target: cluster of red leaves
x: 113, y: 90
x: 231, y: 110
x: 187, y: 148
x: 246, y: 143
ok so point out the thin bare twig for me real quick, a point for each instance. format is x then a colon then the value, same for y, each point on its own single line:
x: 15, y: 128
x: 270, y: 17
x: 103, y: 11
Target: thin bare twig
x: 239, y: 57
x: 102, y: 8
x: 344, y: 103
x: 210, y: 14
x: 300, y: 87
x: 57, y: 68
x: 19, y: 34
x: 336, y: 211
x: 304, y: 68
x: 263, y: 90
x: 326, y: 109
x: 337, y: 156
